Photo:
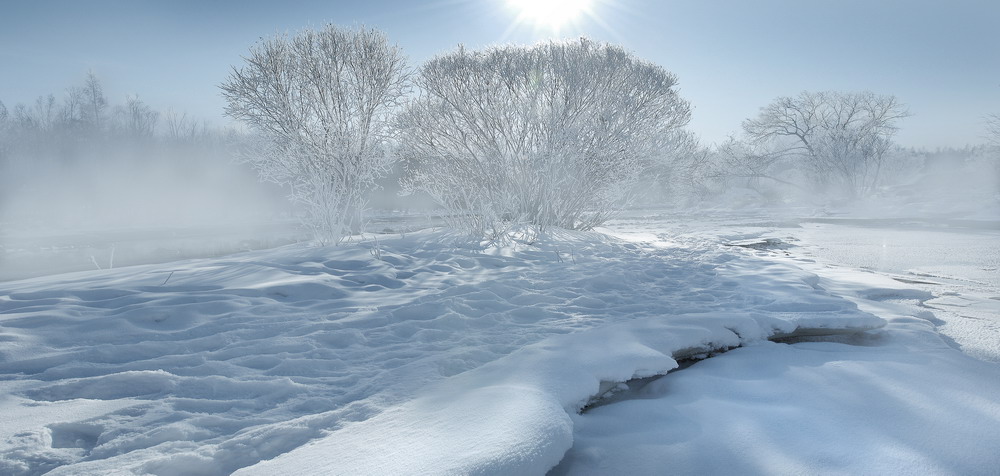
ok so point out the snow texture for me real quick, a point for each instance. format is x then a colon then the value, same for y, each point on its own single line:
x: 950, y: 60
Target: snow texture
x: 438, y: 358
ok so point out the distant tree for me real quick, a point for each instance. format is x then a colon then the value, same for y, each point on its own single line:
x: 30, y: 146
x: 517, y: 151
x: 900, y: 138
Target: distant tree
x: 181, y: 127
x: 95, y: 103
x: 679, y: 170
x: 85, y: 105
x: 841, y: 138
x: 993, y: 129
x: 44, y: 116
x: 757, y: 166
x: 5, y: 121
x: 135, y: 119
x: 5, y: 134
x: 554, y: 134
x: 321, y: 102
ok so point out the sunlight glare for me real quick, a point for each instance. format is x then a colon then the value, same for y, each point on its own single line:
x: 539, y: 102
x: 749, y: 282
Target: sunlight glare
x: 552, y: 14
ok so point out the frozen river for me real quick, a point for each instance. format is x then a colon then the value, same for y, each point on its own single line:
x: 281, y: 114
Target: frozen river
x: 962, y: 255
x: 958, y: 264
x: 956, y: 261
x: 961, y: 252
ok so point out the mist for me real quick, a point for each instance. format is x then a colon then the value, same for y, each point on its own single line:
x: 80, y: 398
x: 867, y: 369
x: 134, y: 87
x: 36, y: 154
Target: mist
x: 88, y: 184
x: 941, y: 184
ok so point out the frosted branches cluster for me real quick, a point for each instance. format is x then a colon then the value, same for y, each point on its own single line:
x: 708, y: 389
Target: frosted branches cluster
x: 549, y: 135
x: 321, y: 102
x: 841, y: 138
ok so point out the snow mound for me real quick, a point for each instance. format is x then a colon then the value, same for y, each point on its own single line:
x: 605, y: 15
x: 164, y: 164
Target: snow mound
x: 511, y: 416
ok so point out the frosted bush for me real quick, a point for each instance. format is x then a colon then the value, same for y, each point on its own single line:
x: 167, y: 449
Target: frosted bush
x: 554, y: 134
x: 321, y: 102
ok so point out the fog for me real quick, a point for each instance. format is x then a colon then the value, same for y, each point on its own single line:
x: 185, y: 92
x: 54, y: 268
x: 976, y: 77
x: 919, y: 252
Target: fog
x: 942, y: 184
x: 127, y: 198
x: 87, y: 183
x: 90, y: 183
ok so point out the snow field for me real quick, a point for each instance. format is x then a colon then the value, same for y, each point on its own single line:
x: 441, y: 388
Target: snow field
x: 441, y: 357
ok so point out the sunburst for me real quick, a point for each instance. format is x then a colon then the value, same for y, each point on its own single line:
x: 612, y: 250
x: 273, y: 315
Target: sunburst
x: 552, y: 15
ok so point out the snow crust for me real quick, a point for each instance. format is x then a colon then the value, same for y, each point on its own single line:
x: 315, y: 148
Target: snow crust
x: 440, y: 358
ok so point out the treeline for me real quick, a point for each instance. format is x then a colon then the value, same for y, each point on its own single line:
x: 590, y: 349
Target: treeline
x: 85, y: 110
x: 64, y: 127
x: 962, y: 180
x: 80, y: 159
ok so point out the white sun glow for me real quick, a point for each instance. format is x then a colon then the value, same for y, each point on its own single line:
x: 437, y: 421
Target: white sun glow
x: 552, y: 14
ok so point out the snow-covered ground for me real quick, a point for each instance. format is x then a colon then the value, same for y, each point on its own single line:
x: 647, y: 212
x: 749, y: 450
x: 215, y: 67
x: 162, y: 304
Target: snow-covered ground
x: 900, y: 400
x: 423, y: 354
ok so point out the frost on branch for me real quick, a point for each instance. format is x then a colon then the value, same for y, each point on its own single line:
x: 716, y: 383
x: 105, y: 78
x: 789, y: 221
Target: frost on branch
x: 321, y: 103
x: 841, y: 138
x: 554, y: 134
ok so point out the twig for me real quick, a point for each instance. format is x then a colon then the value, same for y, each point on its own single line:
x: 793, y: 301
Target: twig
x: 376, y: 251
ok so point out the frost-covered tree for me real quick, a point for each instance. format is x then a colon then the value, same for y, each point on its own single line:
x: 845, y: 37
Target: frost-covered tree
x: 321, y: 102
x: 756, y: 166
x: 678, y: 172
x: 548, y: 135
x: 840, y: 138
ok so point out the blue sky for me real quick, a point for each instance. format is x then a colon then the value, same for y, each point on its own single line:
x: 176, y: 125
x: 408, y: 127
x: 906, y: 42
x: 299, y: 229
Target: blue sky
x: 942, y: 59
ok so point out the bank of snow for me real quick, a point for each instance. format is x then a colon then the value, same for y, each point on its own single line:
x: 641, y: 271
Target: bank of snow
x: 415, y: 354
x: 900, y: 400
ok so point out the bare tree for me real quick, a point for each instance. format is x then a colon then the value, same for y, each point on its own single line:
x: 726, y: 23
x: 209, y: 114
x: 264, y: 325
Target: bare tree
x: 84, y: 107
x: 757, y: 166
x: 841, y: 138
x: 181, y: 127
x: 554, y: 134
x: 135, y: 119
x: 322, y: 102
x: 993, y: 129
x: 44, y: 116
x: 6, y: 134
x: 95, y: 103
x: 678, y: 172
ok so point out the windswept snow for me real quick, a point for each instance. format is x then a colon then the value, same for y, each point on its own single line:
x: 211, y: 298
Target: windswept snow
x: 441, y: 357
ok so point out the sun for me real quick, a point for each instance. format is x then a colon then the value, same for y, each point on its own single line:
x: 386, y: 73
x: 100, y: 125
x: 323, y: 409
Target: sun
x: 550, y: 14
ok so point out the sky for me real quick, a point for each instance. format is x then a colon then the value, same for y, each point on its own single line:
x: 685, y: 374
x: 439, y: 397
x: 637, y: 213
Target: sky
x: 732, y: 57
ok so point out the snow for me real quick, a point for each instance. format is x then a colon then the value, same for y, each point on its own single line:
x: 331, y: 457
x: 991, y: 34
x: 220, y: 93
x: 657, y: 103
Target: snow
x: 890, y: 407
x: 896, y: 401
x: 445, y: 357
